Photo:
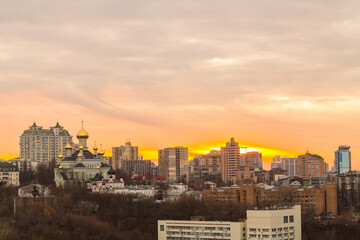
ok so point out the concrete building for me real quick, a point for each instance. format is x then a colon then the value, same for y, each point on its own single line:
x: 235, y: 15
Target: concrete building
x: 251, y: 159
x: 290, y: 165
x: 321, y: 199
x: 282, y: 223
x: 81, y: 166
x: 349, y: 190
x: 310, y: 165
x: 173, y: 163
x: 276, y: 162
x: 201, y: 230
x: 246, y: 173
x: 137, y: 167
x: 43, y: 145
x: 9, y: 174
x: 212, y: 161
x: 342, y: 161
x: 230, y: 161
x: 123, y: 153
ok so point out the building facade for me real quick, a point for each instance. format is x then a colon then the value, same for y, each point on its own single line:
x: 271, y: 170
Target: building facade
x: 284, y: 223
x: 251, y: 159
x: 230, y: 161
x: 290, y: 165
x: 124, y: 153
x: 173, y: 163
x: 310, y: 165
x: 43, y: 145
x: 321, y: 199
x: 212, y: 161
x: 81, y: 166
x: 137, y: 167
x: 342, y: 161
x: 9, y: 174
x: 202, y: 230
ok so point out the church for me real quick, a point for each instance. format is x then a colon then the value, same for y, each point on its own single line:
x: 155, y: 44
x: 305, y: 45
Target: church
x: 82, y: 165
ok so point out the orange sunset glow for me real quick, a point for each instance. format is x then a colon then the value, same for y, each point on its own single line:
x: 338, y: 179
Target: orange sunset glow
x: 187, y: 74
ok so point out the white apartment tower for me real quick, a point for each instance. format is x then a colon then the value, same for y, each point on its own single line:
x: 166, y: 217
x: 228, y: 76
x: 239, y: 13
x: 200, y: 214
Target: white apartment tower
x: 342, y: 161
x: 43, y: 145
x: 173, y: 163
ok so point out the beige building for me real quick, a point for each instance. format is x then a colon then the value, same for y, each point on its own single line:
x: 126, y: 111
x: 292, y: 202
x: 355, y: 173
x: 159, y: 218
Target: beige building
x: 173, y: 163
x: 212, y: 161
x: 201, y: 230
x: 43, y: 145
x: 310, y: 165
x: 124, y: 153
x: 274, y: 223
x: 9, y: 174
x: 251, y: 159
x: 230, y: 161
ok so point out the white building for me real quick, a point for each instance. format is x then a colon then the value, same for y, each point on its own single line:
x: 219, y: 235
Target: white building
x: 201, y: 230
x: 290, y: 165
x: 282, y: 224
x: 342, y: 161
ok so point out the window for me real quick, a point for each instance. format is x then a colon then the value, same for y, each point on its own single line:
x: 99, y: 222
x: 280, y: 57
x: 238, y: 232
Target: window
x: 291, y: 218
x: 162, y: 228
x: 286, y: 220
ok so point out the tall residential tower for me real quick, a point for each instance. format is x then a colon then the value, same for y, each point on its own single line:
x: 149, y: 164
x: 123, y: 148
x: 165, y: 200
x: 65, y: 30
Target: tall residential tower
x: 342, y: 161
x: 173, y: 163
x: 43, y: 145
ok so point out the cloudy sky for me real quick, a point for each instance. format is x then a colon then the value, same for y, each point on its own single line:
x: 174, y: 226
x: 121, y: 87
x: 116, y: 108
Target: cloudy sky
x: 280, y: 76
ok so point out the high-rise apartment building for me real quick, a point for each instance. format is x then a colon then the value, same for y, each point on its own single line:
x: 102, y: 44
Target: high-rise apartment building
x: 290, y: 165
x: 212, y: 161
x: 251, y: 159
x: 173, y: 163
x: 276, y: 162
x: 230, y: 161
x: 342, y: 161
x: 43, y: 145
x: 310, y: 165
x: 123, y: 153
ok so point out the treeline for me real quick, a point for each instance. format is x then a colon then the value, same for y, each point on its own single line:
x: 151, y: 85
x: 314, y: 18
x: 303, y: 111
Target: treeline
x: 74, y: 213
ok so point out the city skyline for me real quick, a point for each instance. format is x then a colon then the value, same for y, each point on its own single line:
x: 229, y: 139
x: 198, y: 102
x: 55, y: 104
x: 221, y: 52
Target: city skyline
x: 280, y: 76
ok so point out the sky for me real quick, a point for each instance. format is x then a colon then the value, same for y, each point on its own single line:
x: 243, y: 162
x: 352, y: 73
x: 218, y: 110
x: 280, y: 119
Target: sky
x: 279, y: 76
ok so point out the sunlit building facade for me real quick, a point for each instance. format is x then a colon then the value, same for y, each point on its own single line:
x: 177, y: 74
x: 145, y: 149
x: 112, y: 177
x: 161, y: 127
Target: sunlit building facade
x: 123, y: 153
x: 342, y: 161
x: 173, y: 163
x: 230, y: 161
x: 43, y: 145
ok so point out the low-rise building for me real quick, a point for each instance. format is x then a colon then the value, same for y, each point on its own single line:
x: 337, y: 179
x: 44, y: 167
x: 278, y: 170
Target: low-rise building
x: 284, y: 223
x: 321, y: 199
x: 276, y: 223
x: 201, y: 230
x: 9, y: 174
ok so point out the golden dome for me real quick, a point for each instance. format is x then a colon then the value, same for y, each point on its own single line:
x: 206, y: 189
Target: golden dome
x: 101, y: 150
x: 95, y: 147
x: 82, y: 133
x: 81, y: 147
x: 68, y: 146
x: 80, y: 155
x: 60, y: 156
x: 60, y: 166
